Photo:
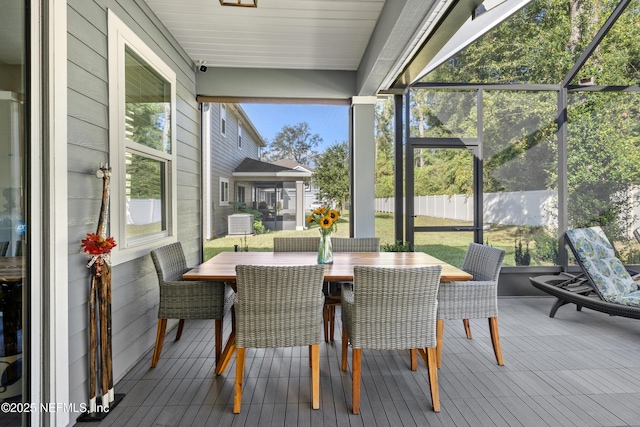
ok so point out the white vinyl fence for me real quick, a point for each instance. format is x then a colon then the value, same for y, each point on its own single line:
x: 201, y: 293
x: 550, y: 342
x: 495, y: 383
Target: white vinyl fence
x: 144, y: 211
x: 509, y: 208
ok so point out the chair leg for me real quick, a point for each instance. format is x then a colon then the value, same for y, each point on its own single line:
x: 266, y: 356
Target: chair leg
x: 325, y: 322
x: 414, y: 359
x: 467, y: 327
x: 433, y: 378
x: 345, y: 348
x: 162, y: 328
x: 332, y: 320
x: 237, y: 389
x: 495, y: 339
x: 315, y: 375
x: 180, y: 329
x: 439, y: 334
x: 218, y: 337
x: 357, y: 359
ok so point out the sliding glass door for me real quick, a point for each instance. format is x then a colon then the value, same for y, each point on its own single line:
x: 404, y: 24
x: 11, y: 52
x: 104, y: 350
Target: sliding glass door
x: 13, y: 295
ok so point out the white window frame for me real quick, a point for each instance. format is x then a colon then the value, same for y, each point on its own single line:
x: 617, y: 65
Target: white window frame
x: 222, y: 194
x: 240, y: 135
x: 120, y: 35
x: 223, y: 120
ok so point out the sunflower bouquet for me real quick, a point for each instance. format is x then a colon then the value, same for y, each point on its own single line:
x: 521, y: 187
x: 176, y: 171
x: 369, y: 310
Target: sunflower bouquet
x: 327, y: 219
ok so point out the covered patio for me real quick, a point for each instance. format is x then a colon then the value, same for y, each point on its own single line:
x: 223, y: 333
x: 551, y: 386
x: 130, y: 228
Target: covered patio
x: 578, y: 369
x: 573, y: 135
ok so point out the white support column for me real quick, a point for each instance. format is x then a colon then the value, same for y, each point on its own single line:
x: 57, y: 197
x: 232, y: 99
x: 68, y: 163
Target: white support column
x: 54, y: 266
x: 362, y: 166
x: 299, y: 205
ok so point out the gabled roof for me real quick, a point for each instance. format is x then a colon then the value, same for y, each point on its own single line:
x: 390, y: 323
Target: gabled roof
x: 255, y: 170
x: 292, y: 164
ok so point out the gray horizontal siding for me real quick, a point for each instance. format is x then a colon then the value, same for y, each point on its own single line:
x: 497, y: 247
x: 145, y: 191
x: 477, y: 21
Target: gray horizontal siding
x: 225, y: 157
x: 134, y: 284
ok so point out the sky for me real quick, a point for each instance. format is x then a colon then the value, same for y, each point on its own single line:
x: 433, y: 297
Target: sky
x: 331, y: 122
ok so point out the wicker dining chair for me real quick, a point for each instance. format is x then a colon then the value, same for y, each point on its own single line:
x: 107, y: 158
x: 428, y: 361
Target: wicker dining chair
x: 474, y: 299
x: 184, y: 299
x: 332, y: 299
x: 296, y: 244
x: 278, y: 306
x: 391, y: 309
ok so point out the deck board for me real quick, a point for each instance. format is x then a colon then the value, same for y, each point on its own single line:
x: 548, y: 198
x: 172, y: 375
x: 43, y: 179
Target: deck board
x: 554, y: 375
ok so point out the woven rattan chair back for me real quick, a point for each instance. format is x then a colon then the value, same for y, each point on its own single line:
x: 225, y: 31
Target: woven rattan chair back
x: 278, y: 306
x: 356, y: 244
x: 483, y: 262
x: 170, y: 262
x: 296, y: 244
x: 392, y: 308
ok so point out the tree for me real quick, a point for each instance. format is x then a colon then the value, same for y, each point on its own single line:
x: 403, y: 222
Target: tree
x: 384, y: 139
x: 293, y: 143
x: 332, y: 174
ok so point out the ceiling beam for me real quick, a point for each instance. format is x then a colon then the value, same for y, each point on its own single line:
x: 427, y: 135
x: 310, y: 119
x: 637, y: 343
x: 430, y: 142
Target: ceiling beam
x: 455, y: 16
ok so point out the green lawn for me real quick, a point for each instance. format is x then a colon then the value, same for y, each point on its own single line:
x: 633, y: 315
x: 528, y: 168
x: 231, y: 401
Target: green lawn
x: 450, y: 247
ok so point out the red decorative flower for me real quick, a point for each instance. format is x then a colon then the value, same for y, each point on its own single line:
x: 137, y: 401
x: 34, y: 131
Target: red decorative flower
x: 95, y: 244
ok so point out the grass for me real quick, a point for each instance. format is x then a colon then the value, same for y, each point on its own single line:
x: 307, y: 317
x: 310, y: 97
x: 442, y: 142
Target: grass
x: 447, y: 246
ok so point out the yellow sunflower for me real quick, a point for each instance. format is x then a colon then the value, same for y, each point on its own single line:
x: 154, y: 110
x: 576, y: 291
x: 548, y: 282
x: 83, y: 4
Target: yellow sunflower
x: 334, y: 214
x: 320, y: 211
x: 326, y: 222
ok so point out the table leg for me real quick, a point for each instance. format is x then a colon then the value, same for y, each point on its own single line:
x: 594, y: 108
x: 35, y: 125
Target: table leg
x: 230, y: 346
x: 227, y: 354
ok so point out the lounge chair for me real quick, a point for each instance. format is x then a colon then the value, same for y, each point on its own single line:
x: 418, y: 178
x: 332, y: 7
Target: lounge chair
x: 605, y: 284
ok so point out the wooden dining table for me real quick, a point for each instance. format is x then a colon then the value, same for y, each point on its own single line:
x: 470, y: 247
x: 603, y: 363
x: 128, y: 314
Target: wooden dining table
x: 222, y: 268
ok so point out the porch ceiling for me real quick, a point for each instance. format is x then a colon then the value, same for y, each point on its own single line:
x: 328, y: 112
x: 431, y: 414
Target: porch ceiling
x: 375, y: 39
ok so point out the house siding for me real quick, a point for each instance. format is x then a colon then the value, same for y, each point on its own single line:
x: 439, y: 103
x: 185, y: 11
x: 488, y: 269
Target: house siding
x: 135, y: 289
x: 225, y: 157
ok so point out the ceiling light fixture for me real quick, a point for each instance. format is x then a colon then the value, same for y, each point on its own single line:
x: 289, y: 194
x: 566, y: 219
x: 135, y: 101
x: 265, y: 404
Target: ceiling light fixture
x: 241, y: 3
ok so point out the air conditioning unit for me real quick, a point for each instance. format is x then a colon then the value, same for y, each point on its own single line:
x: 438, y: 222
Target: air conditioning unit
x: 240, y: 224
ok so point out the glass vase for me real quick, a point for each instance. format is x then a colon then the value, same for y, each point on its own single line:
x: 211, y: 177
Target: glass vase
x: 325, y: 250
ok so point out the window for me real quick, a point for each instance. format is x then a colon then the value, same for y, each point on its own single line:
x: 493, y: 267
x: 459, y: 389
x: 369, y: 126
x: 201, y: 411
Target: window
x: 142, y: 101
x: 241, y: 192
x: 224, y: 191
x: 223, y: 119
x: 239, y: 135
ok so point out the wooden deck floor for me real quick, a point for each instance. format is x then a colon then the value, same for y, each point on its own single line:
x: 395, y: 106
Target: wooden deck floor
x: 579, y: 369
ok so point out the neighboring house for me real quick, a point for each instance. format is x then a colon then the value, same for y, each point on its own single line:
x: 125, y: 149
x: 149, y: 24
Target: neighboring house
x: 279, y: 192
x: 231, y: 148
x: 310, y: 190
x: 229, y: 137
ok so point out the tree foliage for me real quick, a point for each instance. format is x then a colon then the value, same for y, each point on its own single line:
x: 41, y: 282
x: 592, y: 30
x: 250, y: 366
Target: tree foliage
x: 384, y: 139
x: 332, y: 174
x: 294, y: 143
x: 148, y: 123
x: 538, y: 45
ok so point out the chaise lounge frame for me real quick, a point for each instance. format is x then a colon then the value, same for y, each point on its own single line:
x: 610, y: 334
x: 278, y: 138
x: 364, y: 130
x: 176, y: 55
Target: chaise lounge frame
x: 580, y: 290
x: 570, y: 289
